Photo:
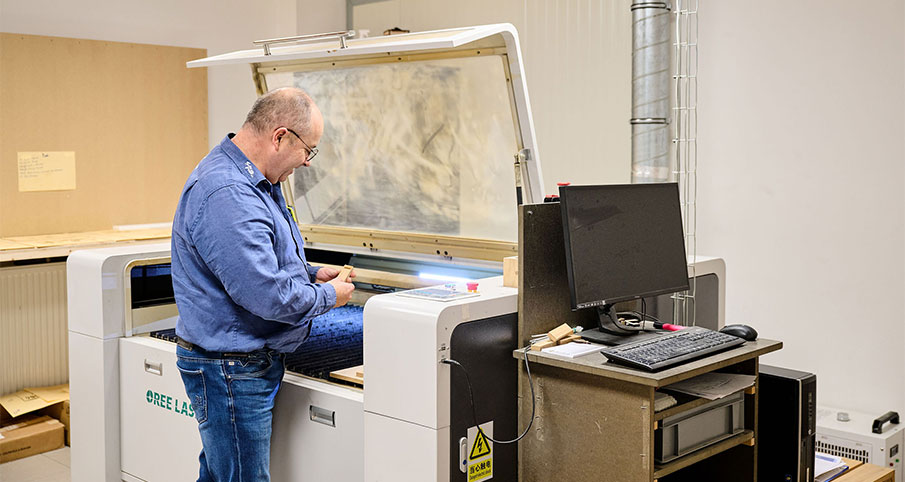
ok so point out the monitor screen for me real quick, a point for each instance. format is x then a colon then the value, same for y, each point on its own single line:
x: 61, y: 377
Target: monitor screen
x: 623, y: 242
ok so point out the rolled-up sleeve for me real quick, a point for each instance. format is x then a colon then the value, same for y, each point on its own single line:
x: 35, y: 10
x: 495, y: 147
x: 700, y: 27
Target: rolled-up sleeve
x: 235, y: 235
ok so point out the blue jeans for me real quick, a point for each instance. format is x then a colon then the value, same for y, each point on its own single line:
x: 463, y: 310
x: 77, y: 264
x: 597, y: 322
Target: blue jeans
x: 232, y: 396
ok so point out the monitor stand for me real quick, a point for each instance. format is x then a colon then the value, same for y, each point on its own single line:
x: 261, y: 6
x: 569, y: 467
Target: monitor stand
x: 612, y: 331
x: 594, y: 335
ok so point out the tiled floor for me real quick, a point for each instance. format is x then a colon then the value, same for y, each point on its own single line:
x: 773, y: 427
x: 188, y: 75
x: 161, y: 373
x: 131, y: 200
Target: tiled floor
x: 47, y: 467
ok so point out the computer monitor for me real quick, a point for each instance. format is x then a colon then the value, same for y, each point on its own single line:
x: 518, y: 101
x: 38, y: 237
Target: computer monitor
x: 623, y: 242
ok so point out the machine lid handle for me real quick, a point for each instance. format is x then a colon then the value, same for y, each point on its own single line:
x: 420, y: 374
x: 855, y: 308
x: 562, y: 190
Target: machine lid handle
x: 342, y: 36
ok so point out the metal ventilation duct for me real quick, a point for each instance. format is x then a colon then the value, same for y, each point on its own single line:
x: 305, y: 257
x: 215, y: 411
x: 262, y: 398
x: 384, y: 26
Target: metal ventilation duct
x: 650, y: 91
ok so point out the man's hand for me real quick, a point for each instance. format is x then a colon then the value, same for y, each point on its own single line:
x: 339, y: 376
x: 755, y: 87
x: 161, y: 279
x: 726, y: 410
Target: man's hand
x: 327, y: 273
x: 343, y: 290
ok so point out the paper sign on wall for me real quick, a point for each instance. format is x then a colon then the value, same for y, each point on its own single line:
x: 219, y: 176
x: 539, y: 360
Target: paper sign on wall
x: 46, y: 171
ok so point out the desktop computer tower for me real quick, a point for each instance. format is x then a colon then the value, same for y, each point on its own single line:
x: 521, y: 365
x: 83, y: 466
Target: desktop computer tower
x: 787, y: 425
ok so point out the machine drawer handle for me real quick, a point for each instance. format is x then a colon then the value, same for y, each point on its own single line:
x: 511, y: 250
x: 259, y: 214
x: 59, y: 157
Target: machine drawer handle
x: 322, y: 415
x: 154, y: 368
x: 463, y: 454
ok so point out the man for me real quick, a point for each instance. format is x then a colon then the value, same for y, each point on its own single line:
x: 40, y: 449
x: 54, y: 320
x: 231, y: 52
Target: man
x: 244, y: 290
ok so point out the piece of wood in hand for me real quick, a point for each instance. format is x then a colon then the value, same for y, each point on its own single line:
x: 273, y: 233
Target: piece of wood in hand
x: 344, y: 273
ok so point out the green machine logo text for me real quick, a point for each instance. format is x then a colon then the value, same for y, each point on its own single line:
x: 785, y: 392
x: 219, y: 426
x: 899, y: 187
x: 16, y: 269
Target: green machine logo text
x: 169, y: 403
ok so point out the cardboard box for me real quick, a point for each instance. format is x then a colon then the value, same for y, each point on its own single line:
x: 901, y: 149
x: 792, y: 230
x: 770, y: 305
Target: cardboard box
x: 29, y: 436
x: 59, y: 411
x: 52, y: 401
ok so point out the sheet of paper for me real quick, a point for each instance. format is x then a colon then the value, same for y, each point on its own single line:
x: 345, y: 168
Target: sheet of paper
x: 572, y: 350
x: 46, y: 171
x: 827, y: 467
x: 713, y: 386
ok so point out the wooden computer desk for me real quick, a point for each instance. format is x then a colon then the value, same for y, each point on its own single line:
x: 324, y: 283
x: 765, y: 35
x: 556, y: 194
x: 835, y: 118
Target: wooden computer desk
x: 595, y: 420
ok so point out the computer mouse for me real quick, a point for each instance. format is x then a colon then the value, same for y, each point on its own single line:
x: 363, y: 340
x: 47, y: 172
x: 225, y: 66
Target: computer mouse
x: 741, y: 331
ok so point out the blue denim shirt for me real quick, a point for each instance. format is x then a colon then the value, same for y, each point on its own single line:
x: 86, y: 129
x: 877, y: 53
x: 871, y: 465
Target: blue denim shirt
x: 240, y: 276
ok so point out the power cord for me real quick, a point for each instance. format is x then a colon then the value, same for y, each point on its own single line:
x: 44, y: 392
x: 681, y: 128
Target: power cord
x: 474, y: 414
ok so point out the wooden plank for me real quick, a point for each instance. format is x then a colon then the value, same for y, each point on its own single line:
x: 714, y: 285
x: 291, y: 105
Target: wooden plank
x: 860, y: 472
x: 510, y: 271
x: 60, y: 245
x: 6, y: 244
x: 352, y: 374
x: 398, y: 280
x: 63, y: 251
x: 706, y: 452
x: 133, y: 114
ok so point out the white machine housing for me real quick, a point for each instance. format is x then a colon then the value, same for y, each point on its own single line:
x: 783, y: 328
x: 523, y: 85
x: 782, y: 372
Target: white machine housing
x: 129, y: 408
x: 855, y: 440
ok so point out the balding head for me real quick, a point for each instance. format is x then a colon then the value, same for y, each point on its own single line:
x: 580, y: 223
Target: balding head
x: 289, y: 107
x: 280, y: 132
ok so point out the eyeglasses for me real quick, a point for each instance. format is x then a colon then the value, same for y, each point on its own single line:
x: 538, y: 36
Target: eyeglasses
x: 311, y: 151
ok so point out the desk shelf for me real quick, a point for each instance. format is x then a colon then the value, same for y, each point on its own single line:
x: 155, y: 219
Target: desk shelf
x: 706, y: 452
x: 685, y: 403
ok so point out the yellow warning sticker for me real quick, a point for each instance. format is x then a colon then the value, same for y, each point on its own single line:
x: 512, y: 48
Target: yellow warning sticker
x: 480, y: 453
x: 480, y: 447
x: 482, y: 470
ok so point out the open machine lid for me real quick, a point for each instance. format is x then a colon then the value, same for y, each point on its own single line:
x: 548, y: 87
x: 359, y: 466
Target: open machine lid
x: 428, y: 145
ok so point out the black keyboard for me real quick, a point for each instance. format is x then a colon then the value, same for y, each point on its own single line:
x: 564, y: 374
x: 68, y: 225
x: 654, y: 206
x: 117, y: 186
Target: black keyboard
x: 671, y: 349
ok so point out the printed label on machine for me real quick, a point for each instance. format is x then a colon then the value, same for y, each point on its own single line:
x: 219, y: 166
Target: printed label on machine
x: 480, y: 453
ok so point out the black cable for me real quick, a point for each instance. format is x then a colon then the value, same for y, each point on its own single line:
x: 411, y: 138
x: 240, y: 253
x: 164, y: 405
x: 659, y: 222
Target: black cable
x: 474, y: 413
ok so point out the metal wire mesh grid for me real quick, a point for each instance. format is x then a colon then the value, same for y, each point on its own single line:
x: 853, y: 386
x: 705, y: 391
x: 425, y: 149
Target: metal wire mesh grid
x: 685, y: 123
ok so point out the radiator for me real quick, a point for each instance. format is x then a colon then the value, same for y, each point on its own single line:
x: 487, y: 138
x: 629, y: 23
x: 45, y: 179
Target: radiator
x: 34, y: 343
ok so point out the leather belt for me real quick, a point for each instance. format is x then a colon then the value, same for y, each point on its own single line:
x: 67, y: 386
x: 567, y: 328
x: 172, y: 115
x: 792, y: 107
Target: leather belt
x: 191, y: 347
x: 188, y: 346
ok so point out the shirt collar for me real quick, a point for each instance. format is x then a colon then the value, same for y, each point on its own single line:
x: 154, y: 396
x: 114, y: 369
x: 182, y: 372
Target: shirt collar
x: 243, y: 163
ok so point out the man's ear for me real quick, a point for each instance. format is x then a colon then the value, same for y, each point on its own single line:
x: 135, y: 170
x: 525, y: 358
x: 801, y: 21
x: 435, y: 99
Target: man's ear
x: 276, y: 138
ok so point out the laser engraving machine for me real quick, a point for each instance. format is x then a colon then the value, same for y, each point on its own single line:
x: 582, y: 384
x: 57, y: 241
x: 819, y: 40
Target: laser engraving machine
x: 428, y: 148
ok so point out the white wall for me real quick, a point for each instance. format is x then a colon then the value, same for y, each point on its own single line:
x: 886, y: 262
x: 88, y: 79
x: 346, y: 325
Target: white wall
x: 219, y: 26
x: 801, y: 180
x: 321, y: 16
